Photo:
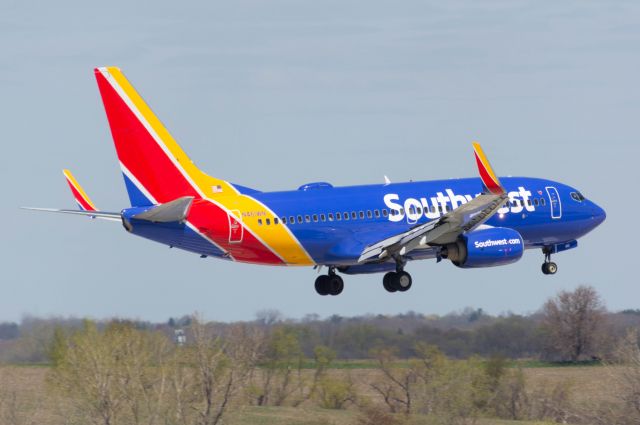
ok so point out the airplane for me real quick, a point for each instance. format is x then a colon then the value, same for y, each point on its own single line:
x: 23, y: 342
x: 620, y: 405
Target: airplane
x: 378, y: 228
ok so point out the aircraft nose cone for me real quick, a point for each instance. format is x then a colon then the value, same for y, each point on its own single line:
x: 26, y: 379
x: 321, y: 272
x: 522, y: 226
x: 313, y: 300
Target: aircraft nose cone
x: 598, y: 214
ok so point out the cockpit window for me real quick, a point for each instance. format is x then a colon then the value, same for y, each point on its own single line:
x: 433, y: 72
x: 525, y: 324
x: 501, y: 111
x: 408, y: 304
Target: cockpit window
x: 577, y: 196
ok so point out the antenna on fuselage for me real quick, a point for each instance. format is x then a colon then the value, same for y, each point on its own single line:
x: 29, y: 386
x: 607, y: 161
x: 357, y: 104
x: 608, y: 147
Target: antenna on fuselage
x: 386, y: 180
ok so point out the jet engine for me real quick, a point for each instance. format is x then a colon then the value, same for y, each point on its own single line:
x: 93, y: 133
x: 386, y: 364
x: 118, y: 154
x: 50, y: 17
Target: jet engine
x: 488, y: 247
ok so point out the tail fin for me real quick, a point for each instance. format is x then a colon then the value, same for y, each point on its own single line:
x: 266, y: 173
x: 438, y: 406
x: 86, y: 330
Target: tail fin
x: 81, y: 197
x: 489, y: 178
x: 156, y: 170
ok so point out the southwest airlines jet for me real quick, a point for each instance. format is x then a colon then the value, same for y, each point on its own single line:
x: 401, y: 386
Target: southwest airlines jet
x: 472, y: 222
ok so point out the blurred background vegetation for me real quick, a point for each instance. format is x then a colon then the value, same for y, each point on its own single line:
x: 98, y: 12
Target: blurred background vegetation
x: 570, y: 362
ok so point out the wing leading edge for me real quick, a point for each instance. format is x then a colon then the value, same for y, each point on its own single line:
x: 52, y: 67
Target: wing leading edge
x: 447, y: 228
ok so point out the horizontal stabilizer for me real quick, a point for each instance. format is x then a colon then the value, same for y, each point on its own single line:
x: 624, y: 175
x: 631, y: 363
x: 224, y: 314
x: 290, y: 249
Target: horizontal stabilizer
x: 112, y: 216
x: 81, y: 197
x: 176, y: 210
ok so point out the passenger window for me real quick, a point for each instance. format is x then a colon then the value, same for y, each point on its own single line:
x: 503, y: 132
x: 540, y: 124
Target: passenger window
x: 542, y: 201
x: 376, y: 213
x: 401, y: 211
x: 419, y: 210
x: 291, y: 220
x: 345, y: 216
x: 330, y: 216
x: 307, y: 219
x: 369, y: 214
x: 535, y: 202
x: 275, y: 220
x: 529, y: 202
x: 315, y: 218
x: 299, y: 219
x: 361, y: 214
x: 323, y: 217
x: 338, y: 216
x: 354, y: 215
x: 268, y: 221
x: 284, y: 220
x: 260, y: 221
x: 384, y: 212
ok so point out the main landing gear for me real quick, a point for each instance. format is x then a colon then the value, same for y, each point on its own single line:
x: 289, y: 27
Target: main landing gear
x: 548, y: 267
x: 398, y: 281
x: 330, y: 284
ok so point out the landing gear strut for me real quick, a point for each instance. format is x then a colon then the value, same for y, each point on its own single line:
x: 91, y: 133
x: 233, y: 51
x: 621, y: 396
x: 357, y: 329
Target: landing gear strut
x: 398, y: 280
x: 548, y: 267
x: 329, y: 284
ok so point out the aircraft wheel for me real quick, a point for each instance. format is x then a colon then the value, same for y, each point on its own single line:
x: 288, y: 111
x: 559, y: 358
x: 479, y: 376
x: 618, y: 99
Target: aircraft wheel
x: 403, y: 281
x: 322, y: 285
x: 335, y: 284
x: 388, y: 281
x: 549, y: 268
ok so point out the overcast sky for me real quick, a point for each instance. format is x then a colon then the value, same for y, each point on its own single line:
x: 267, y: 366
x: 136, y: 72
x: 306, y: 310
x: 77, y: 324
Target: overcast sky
x: 275, y: 94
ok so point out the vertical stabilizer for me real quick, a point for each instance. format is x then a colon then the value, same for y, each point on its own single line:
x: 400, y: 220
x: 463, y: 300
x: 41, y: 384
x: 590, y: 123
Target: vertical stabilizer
x: 156, y: 170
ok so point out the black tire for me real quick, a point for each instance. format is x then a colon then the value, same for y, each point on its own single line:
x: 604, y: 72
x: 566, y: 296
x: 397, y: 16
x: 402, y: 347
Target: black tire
x: 322, y: 285
x: 403, y: 281
x: 388, y: 282
x: 335, y: 284
x: 544, y: 268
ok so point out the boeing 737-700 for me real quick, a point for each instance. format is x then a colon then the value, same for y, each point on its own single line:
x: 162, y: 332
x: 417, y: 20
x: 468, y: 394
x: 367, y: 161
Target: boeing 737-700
x: 471, y: 222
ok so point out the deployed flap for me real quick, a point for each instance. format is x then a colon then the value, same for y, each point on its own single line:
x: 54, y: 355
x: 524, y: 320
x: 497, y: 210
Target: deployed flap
x: 446, y: 229
x: 176, y: 210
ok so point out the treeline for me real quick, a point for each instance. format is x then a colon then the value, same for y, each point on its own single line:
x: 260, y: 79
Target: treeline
x: 572, y: 326
x: 123, y: 372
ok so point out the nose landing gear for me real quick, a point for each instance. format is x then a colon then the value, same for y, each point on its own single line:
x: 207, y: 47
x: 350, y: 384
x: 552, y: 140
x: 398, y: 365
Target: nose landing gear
x: 548, y: 267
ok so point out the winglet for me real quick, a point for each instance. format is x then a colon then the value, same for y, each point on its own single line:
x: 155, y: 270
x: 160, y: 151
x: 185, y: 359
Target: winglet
x: 79, y: 194
x: 488, y: 177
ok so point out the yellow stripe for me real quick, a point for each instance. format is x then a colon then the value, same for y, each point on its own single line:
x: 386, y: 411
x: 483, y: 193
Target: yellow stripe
x: 485, y: 162
x: 278, y: 238
x: 79, y: 188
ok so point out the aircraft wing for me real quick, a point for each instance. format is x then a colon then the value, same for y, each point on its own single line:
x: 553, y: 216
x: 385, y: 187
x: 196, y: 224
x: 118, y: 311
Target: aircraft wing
x: 447, y: 228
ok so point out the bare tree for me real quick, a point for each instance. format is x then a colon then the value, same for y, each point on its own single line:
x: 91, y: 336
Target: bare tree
x: 222, y: 366
x: 572, y: 321
x: 281, y: 376
x: 396, y: 385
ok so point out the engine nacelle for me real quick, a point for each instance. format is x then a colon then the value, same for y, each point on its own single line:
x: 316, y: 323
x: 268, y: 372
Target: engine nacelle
x: 490, y: 247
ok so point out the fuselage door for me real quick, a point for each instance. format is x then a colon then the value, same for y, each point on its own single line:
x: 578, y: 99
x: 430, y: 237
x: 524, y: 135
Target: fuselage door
x: 554, y: 201
x: 236, y: 229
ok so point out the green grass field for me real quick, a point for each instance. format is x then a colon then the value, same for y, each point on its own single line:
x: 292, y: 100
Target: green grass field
x: 316, y: 416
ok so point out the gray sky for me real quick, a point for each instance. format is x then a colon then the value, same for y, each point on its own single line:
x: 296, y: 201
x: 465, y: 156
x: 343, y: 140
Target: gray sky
x: 275, y: 94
